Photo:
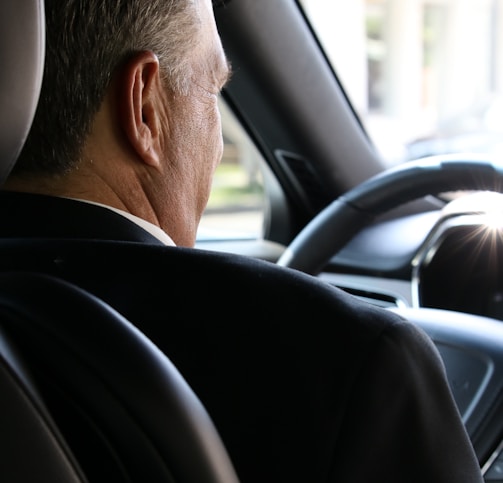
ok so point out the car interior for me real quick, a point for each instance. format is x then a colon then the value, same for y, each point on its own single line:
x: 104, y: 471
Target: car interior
x: 421, y: 237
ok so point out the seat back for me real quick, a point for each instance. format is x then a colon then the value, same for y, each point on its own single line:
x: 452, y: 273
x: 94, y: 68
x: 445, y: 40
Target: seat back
x: 31, y: 446
x: 124, y: 410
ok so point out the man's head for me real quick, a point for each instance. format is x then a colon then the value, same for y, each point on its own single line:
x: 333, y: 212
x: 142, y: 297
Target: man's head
x: 129, y: 98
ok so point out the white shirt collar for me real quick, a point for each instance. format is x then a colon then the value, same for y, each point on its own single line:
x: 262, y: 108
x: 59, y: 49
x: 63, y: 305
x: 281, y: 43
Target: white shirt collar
x: 146, y: 225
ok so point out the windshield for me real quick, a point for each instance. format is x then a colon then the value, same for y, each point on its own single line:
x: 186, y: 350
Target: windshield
x: 425, y: 76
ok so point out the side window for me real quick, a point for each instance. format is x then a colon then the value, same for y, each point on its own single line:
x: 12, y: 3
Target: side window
x: 236, y: 206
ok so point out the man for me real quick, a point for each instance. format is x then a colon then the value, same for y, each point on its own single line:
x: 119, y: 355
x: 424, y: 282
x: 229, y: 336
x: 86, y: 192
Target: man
x: 123, y: 148
x: 145, y: 130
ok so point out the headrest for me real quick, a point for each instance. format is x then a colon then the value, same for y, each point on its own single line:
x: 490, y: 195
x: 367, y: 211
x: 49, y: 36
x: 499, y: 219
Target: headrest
x: 22, y: 51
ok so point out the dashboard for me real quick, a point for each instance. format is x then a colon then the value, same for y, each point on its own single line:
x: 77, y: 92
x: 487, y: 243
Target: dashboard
x: 446, y: 259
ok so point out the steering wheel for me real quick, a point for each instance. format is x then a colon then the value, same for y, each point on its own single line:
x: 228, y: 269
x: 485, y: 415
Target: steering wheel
x: 341, y: 220
x: 458, y: 336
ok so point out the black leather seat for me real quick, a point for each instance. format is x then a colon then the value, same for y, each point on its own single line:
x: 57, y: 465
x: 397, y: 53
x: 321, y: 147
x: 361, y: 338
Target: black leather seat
x: 31, y: 446
x: 121, y: 406
x: 84, y: 396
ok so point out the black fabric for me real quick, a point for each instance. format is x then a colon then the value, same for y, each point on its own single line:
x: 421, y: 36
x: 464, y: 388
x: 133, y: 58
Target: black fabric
x: 46, y: 216
x: 304, y: 382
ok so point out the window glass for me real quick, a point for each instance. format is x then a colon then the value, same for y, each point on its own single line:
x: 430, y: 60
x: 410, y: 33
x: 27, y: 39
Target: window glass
x: 425, y: 76
x: 236, y: 205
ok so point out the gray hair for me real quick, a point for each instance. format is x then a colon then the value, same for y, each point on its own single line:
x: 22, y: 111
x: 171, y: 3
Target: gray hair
x: 87, y: 40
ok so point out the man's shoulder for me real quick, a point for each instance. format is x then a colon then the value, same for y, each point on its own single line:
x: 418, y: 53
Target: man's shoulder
x: 248, y: 284
x: 247, y: 287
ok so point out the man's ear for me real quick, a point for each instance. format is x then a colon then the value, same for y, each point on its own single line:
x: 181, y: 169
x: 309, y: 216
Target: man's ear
x: 139, y: 95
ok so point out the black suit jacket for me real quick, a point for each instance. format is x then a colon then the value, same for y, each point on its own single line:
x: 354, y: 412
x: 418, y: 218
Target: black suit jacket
x: 304, y: 382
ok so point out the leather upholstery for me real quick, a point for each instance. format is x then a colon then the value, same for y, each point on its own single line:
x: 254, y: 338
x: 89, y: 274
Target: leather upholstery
x: 22, y: 49
x: 123, y: 408
x: 31, y: 446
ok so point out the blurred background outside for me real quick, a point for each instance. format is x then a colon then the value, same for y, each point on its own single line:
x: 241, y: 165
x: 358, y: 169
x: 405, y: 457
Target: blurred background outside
x: 424, y: 76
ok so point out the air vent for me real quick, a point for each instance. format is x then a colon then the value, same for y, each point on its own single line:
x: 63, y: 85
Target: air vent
x: 379, y: 299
